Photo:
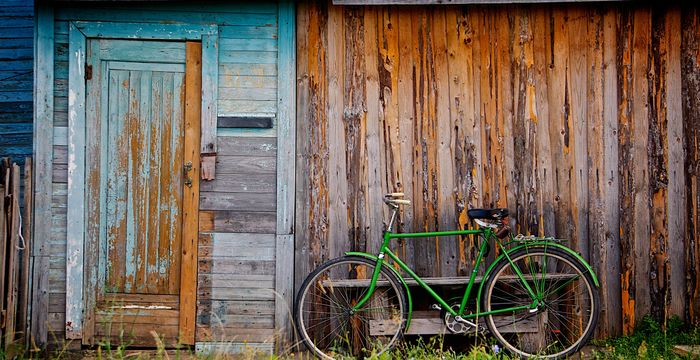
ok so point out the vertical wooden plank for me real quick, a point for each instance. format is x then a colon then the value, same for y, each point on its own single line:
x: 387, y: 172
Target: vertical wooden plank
x: 596, y: 150
x: 425, y: 151
x: 505, y: 103
x: 577, y: 120
x: 13, y: 260
x: 116, y: 202
x: 559, y: 113
x: 190, y: 203
x: 386, y: 66
x: 313, y: 134
x: 286, y: 101
x: 460, y: 62
x: 286, y: 146
x: 640, y: 158
x: 94, y: 198
x: 406, y: 116
x: 5, y: 224
x: 303, y: 162
x: 541, y: 47
x: 24, y: 276
x: 76, y: 184
x: 337, y: 171
x: 626, y: 223
x: 176, y: 105
x: 447, y: 246
x: 690, y: 77
x: 166, y: 222
x: 676, y: 158
x: 658, y: 159
x: 43, y: 151
x: 610, y: 259
x: 374, y: 165
x: 210, y: 90
x: 354, y: 120
x: 155, y: 134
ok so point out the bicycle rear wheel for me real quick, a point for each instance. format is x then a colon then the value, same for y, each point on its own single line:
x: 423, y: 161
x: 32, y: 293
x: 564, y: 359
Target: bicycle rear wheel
x: 324, y: 313
x: 567, y: 310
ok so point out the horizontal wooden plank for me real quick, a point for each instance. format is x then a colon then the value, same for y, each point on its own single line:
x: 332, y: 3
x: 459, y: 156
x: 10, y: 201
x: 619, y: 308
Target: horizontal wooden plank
x: 241, y: 107
x: 240, y: 93
x: 247, y: 32
x: 248, y: 70
x: 60, y: 173
x: 236, y: 253
x: 247, y: 81
x: 240, y: 182
x: 232, y: 164
x: 14, y: 96
x: 138, y: 15
x: 231, y: 348
x: 247, y: 45
x: 229, y: 307
x: 236, y: 293
x: 248, y: 146
x: 147, y: 51
x: 219, y: 333
x: 117, y: 300
x: 247, y: 321
x: 60, y: 154
x: 238, y: 221
x: 247, y: 57
x: 241, y: 267
x: 235, y: 280
x: 242, y: 201
x: 436, y: 325
x: 223, y: 240
x: 118, y: 320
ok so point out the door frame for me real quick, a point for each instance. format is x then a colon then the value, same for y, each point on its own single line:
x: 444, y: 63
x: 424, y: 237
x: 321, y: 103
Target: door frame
x: 81, y: 274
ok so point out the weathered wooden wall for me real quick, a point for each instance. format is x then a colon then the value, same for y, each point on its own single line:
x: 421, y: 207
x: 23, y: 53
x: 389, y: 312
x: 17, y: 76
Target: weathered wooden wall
x: 581, y: 119
x: 16, y: 79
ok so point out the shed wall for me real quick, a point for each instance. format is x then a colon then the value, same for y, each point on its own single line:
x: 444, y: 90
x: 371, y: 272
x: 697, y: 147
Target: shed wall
x: 580, y: 119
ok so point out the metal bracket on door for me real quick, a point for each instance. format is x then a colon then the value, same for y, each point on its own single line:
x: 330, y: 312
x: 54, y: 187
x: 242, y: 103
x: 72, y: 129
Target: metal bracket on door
x: 188, y: 167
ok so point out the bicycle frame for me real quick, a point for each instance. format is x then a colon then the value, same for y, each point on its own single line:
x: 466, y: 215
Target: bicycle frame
x: 487, y: 234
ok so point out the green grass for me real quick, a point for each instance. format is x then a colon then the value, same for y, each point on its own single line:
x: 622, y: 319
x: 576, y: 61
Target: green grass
x: 650, y: 341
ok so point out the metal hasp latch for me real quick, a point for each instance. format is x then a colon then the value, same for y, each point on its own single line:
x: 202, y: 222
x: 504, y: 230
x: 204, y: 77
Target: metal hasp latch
x: 188, y: 167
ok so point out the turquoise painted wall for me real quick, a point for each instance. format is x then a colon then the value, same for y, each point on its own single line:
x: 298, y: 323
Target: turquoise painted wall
x: 16, y: 80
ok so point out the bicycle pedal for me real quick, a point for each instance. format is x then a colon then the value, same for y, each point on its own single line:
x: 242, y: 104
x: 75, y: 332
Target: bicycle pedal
x: 436, y: 307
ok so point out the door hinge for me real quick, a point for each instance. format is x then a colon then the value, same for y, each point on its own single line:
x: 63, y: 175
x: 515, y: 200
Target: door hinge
x: 88, y: 72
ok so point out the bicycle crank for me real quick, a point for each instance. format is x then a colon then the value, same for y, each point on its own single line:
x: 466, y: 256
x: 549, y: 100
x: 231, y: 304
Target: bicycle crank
x: 457, y: 324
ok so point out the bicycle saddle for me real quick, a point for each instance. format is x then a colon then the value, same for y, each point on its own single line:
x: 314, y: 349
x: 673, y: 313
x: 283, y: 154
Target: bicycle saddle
x: 487, y: 214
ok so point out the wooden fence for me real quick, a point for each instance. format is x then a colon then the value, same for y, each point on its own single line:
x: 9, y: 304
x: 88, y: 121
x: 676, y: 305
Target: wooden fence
x: 14, y: 253
x: 581, y: 119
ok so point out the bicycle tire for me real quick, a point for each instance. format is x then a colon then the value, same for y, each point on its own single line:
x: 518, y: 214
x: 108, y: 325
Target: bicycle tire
x: 352, y: 336
x: 564, y: 319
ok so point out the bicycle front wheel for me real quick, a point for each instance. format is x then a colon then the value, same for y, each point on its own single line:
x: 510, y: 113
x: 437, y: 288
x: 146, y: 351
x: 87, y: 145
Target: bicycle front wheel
x: 567, y: 304
x: 327, y: 322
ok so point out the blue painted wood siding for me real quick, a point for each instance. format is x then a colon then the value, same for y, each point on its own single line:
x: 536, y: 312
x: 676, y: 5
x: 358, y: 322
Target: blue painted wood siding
x: 16, y: 80
x: 247, y: 86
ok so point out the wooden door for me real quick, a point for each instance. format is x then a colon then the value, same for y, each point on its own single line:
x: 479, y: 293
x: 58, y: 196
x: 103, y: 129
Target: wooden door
x: 139, y: 97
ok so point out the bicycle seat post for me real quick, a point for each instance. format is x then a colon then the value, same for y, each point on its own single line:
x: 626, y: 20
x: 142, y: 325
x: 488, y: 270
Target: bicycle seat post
x: 394, y: 211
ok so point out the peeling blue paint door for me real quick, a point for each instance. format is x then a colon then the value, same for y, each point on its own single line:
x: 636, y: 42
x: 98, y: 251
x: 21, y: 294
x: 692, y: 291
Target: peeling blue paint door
x: 139, y: 89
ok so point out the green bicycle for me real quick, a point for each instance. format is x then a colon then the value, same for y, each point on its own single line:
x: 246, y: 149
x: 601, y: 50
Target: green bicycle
x: 538, y: 298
